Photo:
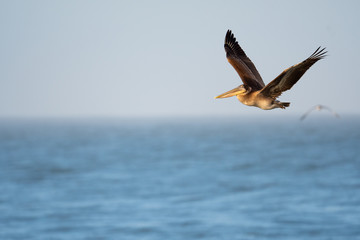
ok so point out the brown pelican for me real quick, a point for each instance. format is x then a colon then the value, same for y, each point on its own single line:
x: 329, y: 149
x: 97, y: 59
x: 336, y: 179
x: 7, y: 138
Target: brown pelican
x: 254, y: 92
x: 318, y: 108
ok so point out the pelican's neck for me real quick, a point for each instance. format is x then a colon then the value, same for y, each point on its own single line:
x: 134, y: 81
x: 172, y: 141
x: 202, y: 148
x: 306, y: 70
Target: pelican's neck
x: 246, y: 98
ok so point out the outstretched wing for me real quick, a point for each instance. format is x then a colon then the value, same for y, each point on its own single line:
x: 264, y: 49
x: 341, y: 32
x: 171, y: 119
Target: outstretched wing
x: 330, y: 110
x: 307, y: 113
x: 291, y: 75
x: 242, y: 64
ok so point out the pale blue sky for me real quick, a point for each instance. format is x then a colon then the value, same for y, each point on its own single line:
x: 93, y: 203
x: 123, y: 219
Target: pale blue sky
x: 166, y: 58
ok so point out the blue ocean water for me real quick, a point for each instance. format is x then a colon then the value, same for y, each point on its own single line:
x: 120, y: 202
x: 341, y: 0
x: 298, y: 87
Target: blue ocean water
x: 180, y: 179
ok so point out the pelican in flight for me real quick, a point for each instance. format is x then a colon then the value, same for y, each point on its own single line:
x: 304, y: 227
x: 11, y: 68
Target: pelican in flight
x: 254, y: 92
x: 319, y: 108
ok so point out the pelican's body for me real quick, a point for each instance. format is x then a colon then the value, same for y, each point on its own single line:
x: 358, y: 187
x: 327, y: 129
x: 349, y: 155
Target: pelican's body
x: 254, y: 92
x: 257, y: 99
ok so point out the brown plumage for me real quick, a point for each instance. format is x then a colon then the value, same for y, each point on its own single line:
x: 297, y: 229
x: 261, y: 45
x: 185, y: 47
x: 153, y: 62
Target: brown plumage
x: 254, y: 92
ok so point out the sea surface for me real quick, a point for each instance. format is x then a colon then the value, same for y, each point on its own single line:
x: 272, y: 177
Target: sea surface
x: 173, y: 179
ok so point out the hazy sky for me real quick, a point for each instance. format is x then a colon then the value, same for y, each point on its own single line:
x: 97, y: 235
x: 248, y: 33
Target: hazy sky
x: 166, y: 58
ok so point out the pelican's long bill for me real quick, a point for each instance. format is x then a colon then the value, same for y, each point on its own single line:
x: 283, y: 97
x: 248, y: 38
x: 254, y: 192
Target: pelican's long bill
x: 233, y: 92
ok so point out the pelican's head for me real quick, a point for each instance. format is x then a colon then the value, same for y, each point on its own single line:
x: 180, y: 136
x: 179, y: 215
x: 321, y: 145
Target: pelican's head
x: 240, y: 90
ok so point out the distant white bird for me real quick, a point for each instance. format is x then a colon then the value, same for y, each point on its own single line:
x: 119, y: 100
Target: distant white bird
x: 319, y: 108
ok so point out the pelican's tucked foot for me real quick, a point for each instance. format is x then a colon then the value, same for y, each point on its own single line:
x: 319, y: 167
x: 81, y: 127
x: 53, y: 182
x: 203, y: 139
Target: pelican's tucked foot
x: 284, y: 105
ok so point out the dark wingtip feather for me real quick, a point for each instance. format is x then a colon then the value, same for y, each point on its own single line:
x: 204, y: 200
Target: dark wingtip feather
x: 231, y: 46
x: 318, y: 54
x: 229, y: 38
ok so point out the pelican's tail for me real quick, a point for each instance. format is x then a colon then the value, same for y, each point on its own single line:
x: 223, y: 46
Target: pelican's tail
x: 284, y: 105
